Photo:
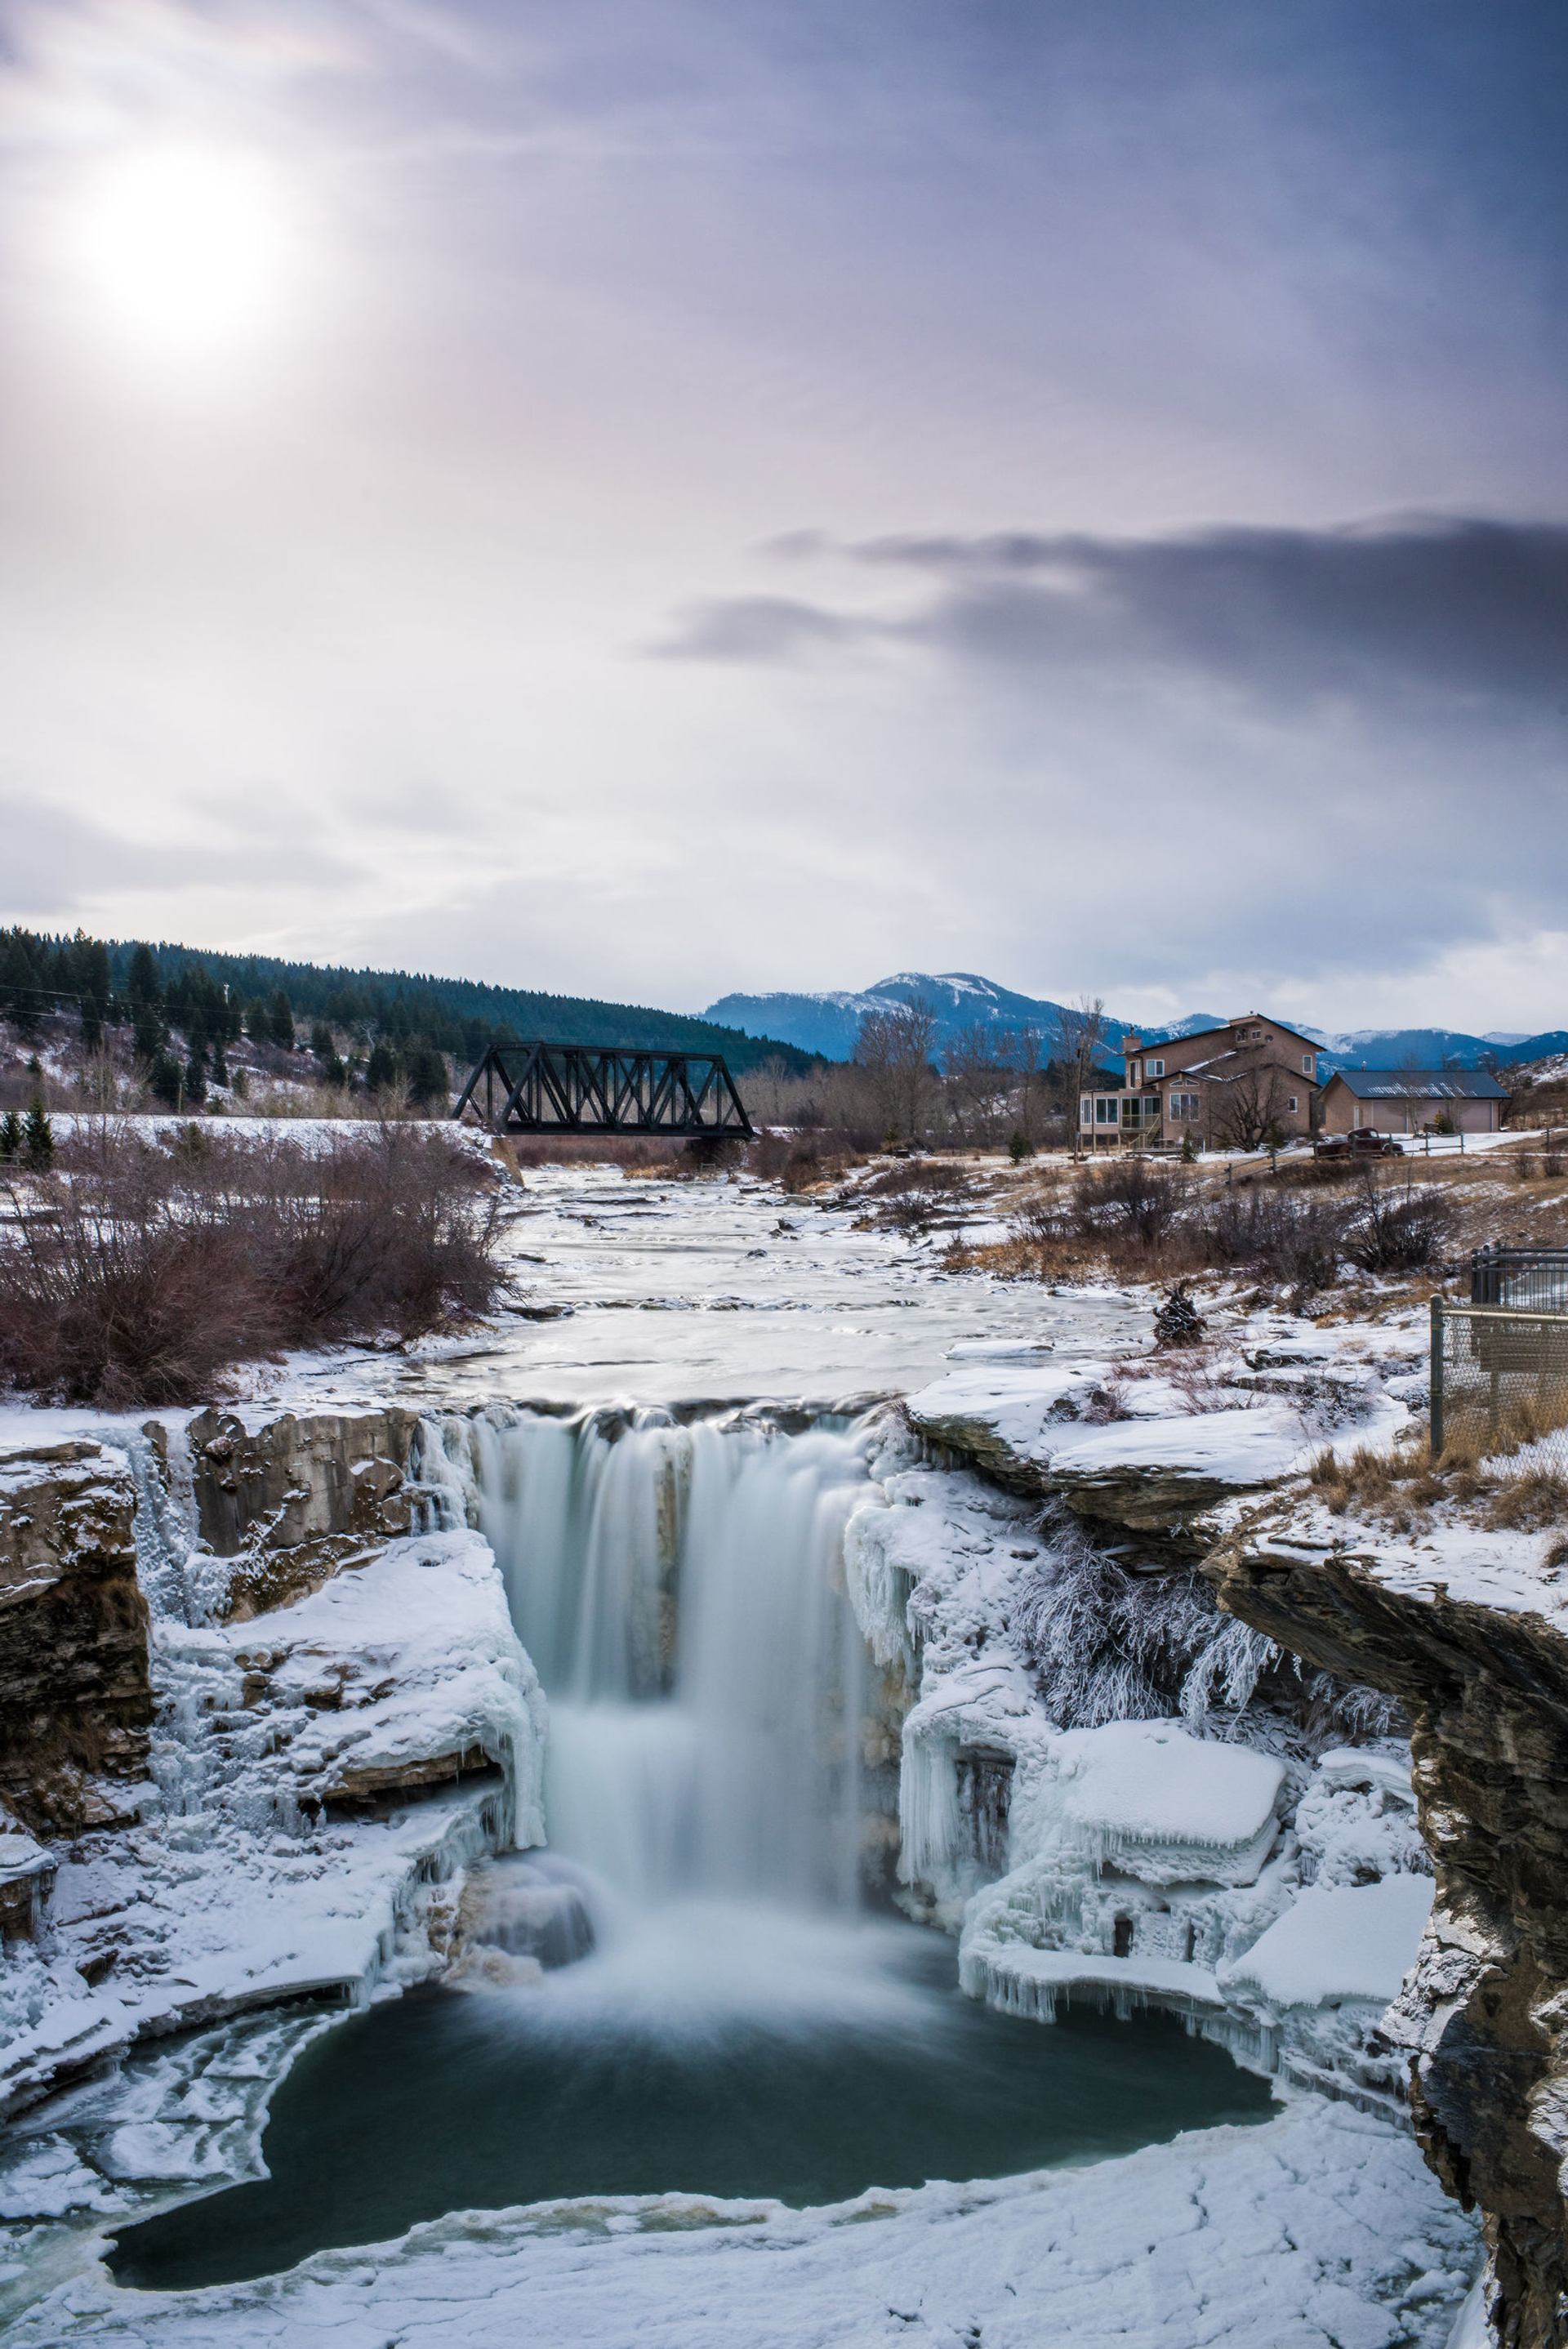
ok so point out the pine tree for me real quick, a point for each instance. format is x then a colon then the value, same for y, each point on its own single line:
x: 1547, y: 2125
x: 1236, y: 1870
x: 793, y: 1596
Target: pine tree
x: 427, y: 1079
x: 381, y: 1069
x: 10, y: 1135
x: 141, y: 978
x: 39, y: 1134
x: 165, y: 1080
x: 280, y: 1022
x: 196, y: 1079
x: 220, y: 1065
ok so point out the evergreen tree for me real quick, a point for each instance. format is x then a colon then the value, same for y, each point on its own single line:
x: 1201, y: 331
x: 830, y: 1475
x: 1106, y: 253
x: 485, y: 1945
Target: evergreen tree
x: 381, y: 1069
x: 220, y: 1065
x: 196, y: 1078
x: 148, y: 1036
x: 21, y: 987
x: 280, y: 1021
x: 10, y: 1135
x: 141, y: 979
x: 39, y: 1140
x: 165, y: 1080
x: 427, y: 1080
x: 257, y: 1024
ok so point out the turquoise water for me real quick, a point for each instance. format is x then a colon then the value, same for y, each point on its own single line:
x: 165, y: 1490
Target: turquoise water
x: 753, y: 2058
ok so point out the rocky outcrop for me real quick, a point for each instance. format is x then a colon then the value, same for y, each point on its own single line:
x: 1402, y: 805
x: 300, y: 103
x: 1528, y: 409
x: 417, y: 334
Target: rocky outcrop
x: 75, y: 1702
x: 293, y: 1499
x: 1480, y: 1662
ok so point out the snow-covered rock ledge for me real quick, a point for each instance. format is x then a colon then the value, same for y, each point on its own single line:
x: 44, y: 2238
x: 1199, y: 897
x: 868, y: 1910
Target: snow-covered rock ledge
x: 1154, y: 1446
x: 314, y: 1775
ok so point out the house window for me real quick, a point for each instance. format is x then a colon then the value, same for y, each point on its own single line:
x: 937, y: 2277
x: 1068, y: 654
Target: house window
x: 1157, y: 1068
x: 1086, y: 1110
x: 1291, y: 1102
x: 1105, y: 1110
x: 1134, y: 1074
x: 1307, y: 1061
x: 1183, y: 1105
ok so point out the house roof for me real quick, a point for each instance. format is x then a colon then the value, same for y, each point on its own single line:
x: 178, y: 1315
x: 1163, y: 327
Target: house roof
x: 1163, y: 1043
x: 1419, y: 1084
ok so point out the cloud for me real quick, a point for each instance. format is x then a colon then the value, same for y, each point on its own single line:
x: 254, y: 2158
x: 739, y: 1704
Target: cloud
x: 757, y: 628
x: 1455, y: 610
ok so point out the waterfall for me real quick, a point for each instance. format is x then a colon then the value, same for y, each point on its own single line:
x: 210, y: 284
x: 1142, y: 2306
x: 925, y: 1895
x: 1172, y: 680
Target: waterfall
x: 680, y: 1590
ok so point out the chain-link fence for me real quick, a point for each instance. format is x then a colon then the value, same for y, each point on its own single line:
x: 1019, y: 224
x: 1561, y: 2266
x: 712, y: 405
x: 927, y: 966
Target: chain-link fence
x: 1500, y: 1383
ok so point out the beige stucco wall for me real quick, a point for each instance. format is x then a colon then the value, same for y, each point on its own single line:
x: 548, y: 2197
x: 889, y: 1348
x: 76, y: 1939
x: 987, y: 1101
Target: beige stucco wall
x: 1341, y: 1112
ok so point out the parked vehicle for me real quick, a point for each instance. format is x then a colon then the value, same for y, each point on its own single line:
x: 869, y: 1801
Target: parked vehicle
x: 1361, y: 1142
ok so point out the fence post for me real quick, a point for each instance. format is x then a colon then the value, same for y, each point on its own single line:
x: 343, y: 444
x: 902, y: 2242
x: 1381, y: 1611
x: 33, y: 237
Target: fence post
x: 1436, y: 1379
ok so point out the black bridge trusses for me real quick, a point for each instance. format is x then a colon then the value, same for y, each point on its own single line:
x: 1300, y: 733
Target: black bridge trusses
x: 602, y: 1088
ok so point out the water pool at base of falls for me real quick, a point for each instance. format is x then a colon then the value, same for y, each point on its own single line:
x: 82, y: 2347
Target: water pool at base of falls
x: 715, y: 2050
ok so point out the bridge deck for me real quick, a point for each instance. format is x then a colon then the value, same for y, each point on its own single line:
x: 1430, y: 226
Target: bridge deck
x: 604, y: 1088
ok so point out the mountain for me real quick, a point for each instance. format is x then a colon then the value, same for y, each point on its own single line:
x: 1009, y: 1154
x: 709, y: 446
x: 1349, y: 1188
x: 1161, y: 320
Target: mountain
x: 1432, y: 1048
x: 829, y: 1023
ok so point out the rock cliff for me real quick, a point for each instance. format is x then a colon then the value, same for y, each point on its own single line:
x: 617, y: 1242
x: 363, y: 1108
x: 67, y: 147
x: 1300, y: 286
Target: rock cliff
x: 75, y: 1699
x: 1475, y: 1645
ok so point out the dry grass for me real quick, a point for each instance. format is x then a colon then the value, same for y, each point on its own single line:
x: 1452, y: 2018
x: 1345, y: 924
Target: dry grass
x: 1403, y: 1489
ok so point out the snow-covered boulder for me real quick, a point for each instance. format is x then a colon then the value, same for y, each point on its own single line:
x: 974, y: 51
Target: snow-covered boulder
x: 1150, y: 1800
x: 1334, y: 1943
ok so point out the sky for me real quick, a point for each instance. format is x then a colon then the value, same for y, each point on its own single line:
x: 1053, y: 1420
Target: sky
x: 656, y: 498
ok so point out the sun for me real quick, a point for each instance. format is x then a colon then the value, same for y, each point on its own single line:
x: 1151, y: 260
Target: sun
x: 183, y: 249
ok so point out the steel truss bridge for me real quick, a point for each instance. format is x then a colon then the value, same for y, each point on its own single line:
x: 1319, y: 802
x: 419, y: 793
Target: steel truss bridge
x: 603, y: 1089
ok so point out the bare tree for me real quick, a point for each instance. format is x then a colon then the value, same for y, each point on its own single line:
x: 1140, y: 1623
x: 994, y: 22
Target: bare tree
x: 1410, y: 1086
x: 1081, y: 1034
x: 1021, y: 1051
x: 895, y: 1049
x: 775, y: 1095
x: 1248, y: 1110
x: 977, y: 1081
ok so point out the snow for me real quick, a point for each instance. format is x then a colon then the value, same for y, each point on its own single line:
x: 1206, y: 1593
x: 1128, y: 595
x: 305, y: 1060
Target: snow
x: 1039, y: 1412
x: 1167, y: 2249
x: 1339, y: 1941
x: 1143, y: 1792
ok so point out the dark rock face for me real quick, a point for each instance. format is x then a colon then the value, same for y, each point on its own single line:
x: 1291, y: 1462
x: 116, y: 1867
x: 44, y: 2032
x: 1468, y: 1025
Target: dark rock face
x: 75, y: 1702
x: 1485, y: 2012
x: 296, y: 1498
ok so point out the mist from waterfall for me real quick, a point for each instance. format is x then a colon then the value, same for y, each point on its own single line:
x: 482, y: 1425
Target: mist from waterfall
x: 680, y: 1590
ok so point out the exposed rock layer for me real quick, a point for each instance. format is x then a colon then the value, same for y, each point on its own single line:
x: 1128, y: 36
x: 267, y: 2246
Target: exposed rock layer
x: 1486, y: 2011
x: 297, y: 1496
x: 76, y: 1701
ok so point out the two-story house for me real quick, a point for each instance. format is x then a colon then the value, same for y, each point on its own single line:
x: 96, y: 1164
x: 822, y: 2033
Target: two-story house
x: 1251, y: 1082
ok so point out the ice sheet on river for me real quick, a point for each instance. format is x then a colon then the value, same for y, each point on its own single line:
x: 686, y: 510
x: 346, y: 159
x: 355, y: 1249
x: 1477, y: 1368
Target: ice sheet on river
x: 1323, y: 2230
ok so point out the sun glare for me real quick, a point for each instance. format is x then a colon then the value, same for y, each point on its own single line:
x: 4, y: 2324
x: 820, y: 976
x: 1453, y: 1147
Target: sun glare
x: 184, y: 250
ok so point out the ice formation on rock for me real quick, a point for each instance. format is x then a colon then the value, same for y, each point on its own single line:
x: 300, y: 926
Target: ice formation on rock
x: 1130, y: 1860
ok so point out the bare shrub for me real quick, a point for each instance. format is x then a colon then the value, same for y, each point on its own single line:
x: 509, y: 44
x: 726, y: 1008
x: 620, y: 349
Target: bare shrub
x: 137, y: 1274
x: 1132, y: 1200
x: 909, y: 1197
x: 1397, y: 1230
x: 1275, y: 1234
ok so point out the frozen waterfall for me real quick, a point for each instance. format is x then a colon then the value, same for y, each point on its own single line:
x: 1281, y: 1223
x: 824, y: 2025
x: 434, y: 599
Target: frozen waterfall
x: 680, y: 1590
